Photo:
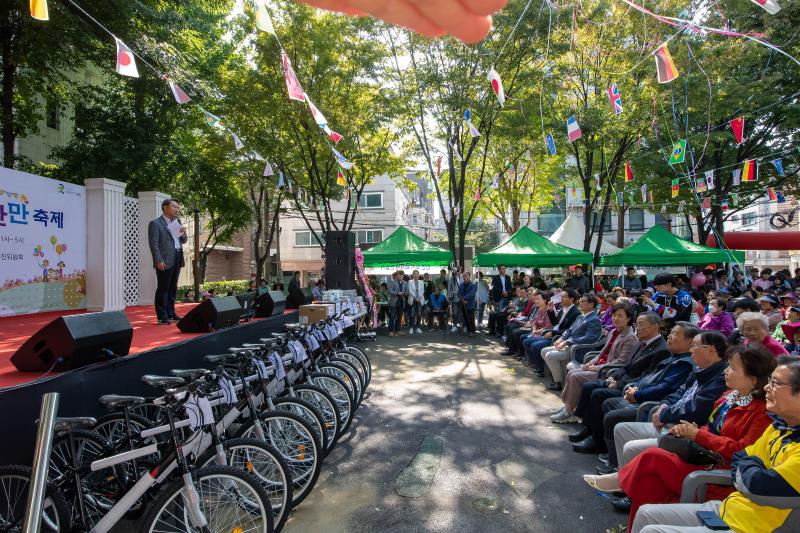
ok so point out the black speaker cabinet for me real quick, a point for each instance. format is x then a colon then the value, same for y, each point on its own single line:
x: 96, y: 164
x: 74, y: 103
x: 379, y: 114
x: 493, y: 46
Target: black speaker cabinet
x: 212, y: 314
x: 247, y: 300
x: 340, y: 260
x: 79, y: 340
x: 270, y: 303
x: 308, y: 297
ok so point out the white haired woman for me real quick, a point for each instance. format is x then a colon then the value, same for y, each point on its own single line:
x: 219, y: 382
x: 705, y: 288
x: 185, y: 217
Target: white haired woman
x: 755, y: 329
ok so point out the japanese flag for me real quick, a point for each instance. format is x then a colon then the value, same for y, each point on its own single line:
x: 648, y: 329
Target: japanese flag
x: 770, y: 6
x: 126, y: 63
x: 497, y: 85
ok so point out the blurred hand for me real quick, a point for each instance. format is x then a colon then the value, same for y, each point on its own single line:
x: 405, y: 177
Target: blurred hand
x: 468, y: 20
x: 161, y: 266
x: 629, y: 394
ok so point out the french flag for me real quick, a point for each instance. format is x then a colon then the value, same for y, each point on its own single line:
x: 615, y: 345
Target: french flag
x: 573, y: 129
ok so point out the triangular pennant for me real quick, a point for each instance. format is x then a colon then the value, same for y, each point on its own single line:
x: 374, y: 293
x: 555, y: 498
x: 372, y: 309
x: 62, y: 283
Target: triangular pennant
x: 340, y: 180
x: 212, y: 120
x: 268, y: 170
x: 497, y: 85
x: 39, y: 10
x: 737, y: 125
x: 770, y: 6
x: 237, y: 141
x: 263, y: 20
x: 292, y: 83
x: 343, y: 162
x: 126, y: 62
x: 180, y: 96
x: 778, y: 163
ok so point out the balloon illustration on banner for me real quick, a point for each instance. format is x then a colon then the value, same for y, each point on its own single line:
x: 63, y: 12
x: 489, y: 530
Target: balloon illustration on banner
x: 53, y: 240
x: 698, y: 280
x: 37, y: 251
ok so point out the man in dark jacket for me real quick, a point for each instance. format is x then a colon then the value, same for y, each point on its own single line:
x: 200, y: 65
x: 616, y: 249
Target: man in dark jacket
x: 579, y: 282
x: 166, y: 237
x: 667, y: 377
x: 501, y: 288
x: 612, y: 380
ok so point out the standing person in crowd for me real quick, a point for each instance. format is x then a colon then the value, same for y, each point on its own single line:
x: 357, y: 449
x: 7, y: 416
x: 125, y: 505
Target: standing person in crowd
x: 770, y: 307
x: 466, y: 295
x: 768, y: 468
x: 438, y: 309
x: 501, y: 288
x: 317, y: 290
x: 739, y: 283
x: 516, y: 280
x: 538, y: 280
x: 416, y: 299
x: 579, y: 282
x: 755, y: 329
x: 631, y: 282
x: 453, y: 296
x: 166, y: 237
x: 482, y: 297
x: 673, y: 305
x: 562, y: 321
x: 397, y: 288
x: 429, y: 286
x: 717, y: 318
x: 383, y: 310
x: 442, y: 279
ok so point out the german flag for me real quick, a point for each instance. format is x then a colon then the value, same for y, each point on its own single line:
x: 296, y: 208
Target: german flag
x: 665, y: 65
x: 749, y: 170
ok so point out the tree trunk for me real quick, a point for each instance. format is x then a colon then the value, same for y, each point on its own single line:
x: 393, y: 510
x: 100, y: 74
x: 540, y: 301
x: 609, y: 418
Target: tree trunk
x: 7, y: 101
x: 621, y: 228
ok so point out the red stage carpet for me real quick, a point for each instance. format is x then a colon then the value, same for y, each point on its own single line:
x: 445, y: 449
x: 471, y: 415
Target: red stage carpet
x: 147, y: 334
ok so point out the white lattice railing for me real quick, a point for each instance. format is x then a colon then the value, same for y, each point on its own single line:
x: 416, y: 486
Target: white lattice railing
x: 131, y: 251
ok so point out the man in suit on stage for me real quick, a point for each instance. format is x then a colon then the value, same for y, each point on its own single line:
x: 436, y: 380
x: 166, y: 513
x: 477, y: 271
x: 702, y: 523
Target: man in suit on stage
x: 166, y: 237
x: 501, y: 288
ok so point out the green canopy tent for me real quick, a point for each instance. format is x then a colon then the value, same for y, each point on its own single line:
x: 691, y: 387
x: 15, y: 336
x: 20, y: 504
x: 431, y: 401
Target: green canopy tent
x: 529, y: 249
x: 660, y: 247
x: 404, y: 247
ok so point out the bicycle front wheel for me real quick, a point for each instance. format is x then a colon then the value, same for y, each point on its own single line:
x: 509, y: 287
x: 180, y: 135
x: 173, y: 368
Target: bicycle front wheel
x: 14, y: 485
x: 228, y: 498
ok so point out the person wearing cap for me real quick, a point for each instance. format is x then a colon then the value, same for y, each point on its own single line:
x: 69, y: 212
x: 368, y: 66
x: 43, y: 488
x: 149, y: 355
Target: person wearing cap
x: 792, y: 317
x: 670, y: 303
x: 770, y: 306
x: 754, y: 328
x: 792, y: 331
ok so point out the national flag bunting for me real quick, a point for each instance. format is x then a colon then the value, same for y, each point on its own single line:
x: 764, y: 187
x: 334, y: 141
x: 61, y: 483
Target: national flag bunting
x: 700, y: 185
x: 263, y: 20
x: 497, y: 85
x: 620, y: 198
x: 750, y: 170
x: 473, y: 131
x: 681, y: 205
x: 597, y: 182
x: 676, y: 188
x: 268, y: 170
x: 665, y: 65
x: 736, y: 176
x: 292, y: 83
x: 455, y: 152
x: 770, y: 6
x: 628, y: 172
x: 724, y: 204
x: 237, y: 142
x: 39, y: 10
x: 439, y: 167
x: 180, y: 96
x: 710, y: 179
x: 573, y: 129
x: 781, y: 198
x: 478, y: 194
x: 340, y: 179
x: 678, y: 152
x: 737, y: 125
x: 663, y: 209
x: 281, y: 179
x: 650, y: 197
x: 771, y: 193
x: 614, y: 97
x: 551, y: 144
x: 644, y: 193
x: 126, y: 62
x: 779, y: 166
x: 322, y: 122
x: 707, y: 202
x: 343, y: 162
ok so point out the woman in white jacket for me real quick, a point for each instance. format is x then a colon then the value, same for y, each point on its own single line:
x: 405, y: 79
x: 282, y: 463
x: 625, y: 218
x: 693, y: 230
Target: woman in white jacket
x: 416, y: 299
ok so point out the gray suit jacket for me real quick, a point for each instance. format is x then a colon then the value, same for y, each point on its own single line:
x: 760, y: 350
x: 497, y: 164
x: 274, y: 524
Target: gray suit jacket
x: 162, y: 245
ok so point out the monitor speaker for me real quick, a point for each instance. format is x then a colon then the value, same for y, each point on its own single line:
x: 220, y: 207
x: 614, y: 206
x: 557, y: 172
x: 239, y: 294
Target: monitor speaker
x: 211, y: 314
x: 308, y: 297
x: 340, y: 260
x: 74, y: 341
x: 270, y: 303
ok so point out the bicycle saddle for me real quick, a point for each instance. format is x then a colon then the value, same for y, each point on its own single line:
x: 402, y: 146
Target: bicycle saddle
x: 114, y: 401
x: 163, y: 381
x: 220, y: 358
x: 189, y: 374
x: 65, y: 424
x: 278, y: 335
x: 239, y: 349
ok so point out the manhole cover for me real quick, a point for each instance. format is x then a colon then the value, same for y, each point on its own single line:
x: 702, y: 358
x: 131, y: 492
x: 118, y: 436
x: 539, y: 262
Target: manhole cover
x: 487, y: 505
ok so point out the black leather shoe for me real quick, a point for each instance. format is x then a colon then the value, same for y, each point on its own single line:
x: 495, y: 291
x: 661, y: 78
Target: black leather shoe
x: 539, y: 373
x: 176, y: 317
x: 604, y: 469
x: 555, y: 386
x: 164, y: 322
x: 579, y: 435
x: 506, y: 352
x: 622, y: 504
x: 587, y: 445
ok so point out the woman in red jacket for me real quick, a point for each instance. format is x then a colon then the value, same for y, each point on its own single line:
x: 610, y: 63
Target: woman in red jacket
x: 737, y: 421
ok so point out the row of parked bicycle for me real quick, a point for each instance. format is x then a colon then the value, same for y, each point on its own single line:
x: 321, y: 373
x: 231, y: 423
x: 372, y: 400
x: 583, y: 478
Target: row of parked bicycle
x: 230, y: 449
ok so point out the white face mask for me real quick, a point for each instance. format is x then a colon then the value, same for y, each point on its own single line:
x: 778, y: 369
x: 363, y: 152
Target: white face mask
x: 712, y: 308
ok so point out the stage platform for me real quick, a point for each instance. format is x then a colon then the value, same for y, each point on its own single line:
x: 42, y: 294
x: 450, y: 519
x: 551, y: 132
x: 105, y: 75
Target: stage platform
x: 156, y: 349
x: 147, y: 335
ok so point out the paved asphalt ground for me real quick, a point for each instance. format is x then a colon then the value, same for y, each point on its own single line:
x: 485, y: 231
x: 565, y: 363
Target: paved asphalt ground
x: 492, y: 459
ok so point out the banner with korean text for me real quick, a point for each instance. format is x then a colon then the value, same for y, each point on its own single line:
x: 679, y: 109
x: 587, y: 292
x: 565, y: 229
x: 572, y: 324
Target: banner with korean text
x: 42, y: 244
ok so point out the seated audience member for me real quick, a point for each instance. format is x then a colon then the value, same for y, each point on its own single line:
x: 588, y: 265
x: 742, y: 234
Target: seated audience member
x: 252, y: 286
x: 437, y: 309
x: 792, y: 331
x: 792, y: 316
x: 562, y: 321
x: 497, y: 319
x: 763, y: 282
x: 771, y: 308
x: 262, y: 284
x: 717, y: 318
x: 618, y: 351
x: 519, y: 326
x: 668, y: 376
x: 692, y: 402
x: 610, y: 300
x: 737, y: 307
x: 738, y: 419
x: 612, y: 379
x: 723, y: 296
x: 754, y: 328
x: 210, y: 293
x: 188, y: 296
x: 768, y: 468
x: 538, y: 322
x: 739, y: 283
x: 586, y: 329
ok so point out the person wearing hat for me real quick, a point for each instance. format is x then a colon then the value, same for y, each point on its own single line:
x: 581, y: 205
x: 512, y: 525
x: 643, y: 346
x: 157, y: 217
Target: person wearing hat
x: 791, y: 330
x: 792, y: 317
x: 670, y: 303
x: 770, y: 307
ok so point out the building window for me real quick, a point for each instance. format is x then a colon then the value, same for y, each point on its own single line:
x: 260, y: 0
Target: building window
x: 53, y: 110
x: 636, y: 219
x: 748, y: 218
x: 305, y: 239
x: 606, y: 221
x: 369, y: 236
x: 371, y: 200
